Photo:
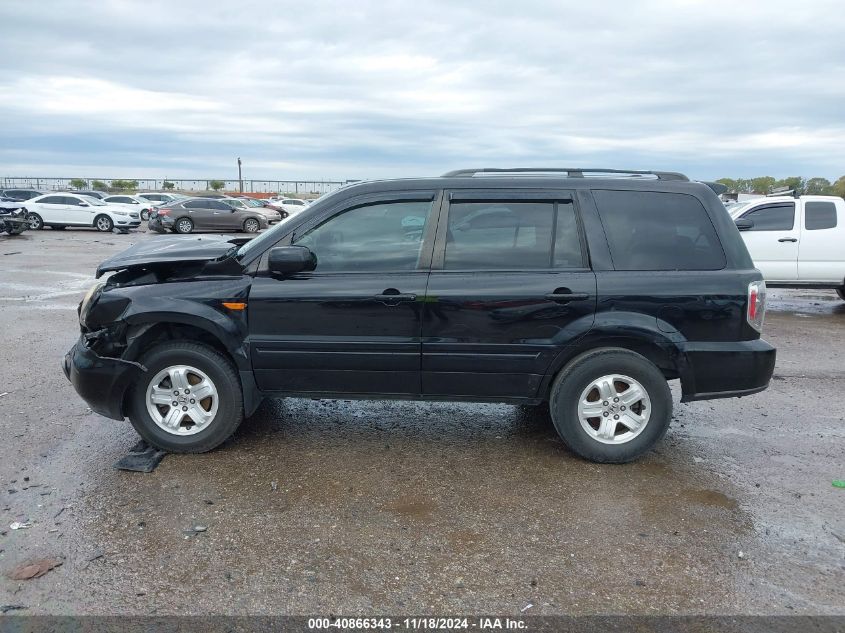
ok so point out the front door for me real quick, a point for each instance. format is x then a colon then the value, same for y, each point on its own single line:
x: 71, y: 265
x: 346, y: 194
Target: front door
x: 352, y: 326
x: 510, y: 289
x: 773, y: 240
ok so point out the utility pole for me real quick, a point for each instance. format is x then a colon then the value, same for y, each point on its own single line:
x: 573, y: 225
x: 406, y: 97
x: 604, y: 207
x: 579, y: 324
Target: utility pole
x: 240, y: 177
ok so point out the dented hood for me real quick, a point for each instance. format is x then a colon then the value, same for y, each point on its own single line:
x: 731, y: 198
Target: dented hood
x: 170, y: 250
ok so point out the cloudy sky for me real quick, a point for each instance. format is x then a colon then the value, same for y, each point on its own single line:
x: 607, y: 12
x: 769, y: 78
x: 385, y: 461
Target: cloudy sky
x: 365, y: 88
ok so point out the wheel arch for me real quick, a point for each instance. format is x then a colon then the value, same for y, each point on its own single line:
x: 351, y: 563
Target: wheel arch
x: 660, y: 348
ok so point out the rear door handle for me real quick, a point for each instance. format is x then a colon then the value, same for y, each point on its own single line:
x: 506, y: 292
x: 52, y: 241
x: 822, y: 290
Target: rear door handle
x: 787, y: 239
x: 393, y: 297
x: 563, y: 297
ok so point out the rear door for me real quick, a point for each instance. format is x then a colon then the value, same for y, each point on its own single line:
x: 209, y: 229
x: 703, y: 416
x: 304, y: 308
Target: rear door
x: 201, y: 214
x: 52, y: 209
x: 773, y: 240
x: 510, y: 288
x: 821, y: 251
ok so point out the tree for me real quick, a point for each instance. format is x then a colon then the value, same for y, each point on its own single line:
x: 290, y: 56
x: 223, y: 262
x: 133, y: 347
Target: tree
x: 730, y: 183
x: 99, y: 185
x: 818, y: 187
x: 217, y: 185
x: 795, y: 183
x: 167, y: 185
x: 78, y: 183
x: 839, y: 187
x: 125, y: 185
x: 762, y: 184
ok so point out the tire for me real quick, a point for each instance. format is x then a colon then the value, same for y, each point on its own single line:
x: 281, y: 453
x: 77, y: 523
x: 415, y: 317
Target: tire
x: 612, y: 441
x: 103, y: 223
x: 145, y: 215
x: 841, y: 292
x: 35, y: 221
x: 225, y: 407
x: 183, y: 225
x: 251, y: 225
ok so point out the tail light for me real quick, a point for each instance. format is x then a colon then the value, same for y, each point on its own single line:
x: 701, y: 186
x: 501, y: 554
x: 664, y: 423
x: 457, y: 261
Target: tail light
x: 756, y: 304
x: 164, y: 212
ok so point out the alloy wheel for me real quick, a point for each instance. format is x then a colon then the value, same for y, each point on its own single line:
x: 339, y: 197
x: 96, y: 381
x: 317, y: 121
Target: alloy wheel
x: 614, y: 409
x: 182, y: 400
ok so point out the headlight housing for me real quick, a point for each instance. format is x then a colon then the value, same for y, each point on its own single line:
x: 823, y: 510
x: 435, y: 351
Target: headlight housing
x: 88, y: 300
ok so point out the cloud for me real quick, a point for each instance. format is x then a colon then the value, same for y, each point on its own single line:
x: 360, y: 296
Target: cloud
x: 372, y: 89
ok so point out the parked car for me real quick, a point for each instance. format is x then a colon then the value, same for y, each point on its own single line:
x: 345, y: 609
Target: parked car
x: 12, y: 216
x: 137, y: 203
x: 291, y: 206
x: 272, y: 215
x: 99, y: 195
x: 159, y: 198
x: 205, y: 214
x: 796, y: 242
x: 20, y: 194
x: 585, y: 295
x: 61, y: 210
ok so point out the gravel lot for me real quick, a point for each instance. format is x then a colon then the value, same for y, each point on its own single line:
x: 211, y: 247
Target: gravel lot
x: 319, y: 507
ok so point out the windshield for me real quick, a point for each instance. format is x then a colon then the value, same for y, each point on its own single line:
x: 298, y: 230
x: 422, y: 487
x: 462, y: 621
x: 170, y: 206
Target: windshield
x: 94, y: 201
x: 735, y: 210
x: 271, y: 235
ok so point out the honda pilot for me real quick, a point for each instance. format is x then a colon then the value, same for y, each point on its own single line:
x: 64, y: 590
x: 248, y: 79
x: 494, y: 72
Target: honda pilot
x: 583, y: 291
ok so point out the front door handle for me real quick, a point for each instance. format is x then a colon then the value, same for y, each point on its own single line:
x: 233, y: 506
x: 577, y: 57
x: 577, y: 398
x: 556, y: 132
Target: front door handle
x: 787, y: 239
x: 564, y: 297
x: 393, y: 297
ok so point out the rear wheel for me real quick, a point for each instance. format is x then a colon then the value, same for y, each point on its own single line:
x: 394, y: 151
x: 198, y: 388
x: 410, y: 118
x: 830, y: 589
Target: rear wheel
x: 184, y: 225
x: 611, y: 405
x: 188, y: 401
x: 841, y: 292
x: 35, y: 221
x: 103, y: 223
x: 251, y: 225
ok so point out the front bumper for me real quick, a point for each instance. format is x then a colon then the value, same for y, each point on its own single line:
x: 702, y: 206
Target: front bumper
x: 726, y: 370
x: 100, y: 381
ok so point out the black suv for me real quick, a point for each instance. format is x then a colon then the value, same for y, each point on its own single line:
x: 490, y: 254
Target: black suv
x: 581, y: 290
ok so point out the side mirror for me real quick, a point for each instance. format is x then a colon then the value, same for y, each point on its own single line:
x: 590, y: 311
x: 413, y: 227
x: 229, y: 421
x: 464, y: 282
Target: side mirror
x: 84, y: 204
x: 289, y: 260
x: 744, y: 224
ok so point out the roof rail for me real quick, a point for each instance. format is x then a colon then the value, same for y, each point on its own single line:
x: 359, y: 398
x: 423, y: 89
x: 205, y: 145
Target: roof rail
x: 571, y: 172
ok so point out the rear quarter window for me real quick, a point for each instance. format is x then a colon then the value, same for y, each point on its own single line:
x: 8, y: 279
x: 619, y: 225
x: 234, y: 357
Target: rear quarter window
x: 658, y: 231
x: 819, y: 215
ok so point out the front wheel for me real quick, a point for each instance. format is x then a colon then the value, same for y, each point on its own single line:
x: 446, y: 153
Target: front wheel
x: 841, y: 292
x: 611, y: 405
x: 103, y: 223
x: 188, y: 401
x: 35, y: 221
x: 145, y: 215
x: 251, y: 225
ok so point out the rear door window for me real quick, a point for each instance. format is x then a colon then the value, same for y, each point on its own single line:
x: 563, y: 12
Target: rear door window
x: 658, y: 231
x: 819, y: 215
x: 512, y: 235
x: 53, y: 200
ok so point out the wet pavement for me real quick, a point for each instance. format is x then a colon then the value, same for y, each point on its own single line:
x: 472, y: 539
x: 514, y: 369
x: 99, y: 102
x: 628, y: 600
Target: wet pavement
x: 342, y: 507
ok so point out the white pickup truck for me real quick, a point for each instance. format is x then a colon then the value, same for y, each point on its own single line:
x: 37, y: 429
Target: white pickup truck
x: 796, y: 242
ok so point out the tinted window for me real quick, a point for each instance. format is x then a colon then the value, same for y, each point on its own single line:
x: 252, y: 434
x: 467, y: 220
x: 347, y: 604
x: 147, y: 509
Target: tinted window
x: 122, y: 199
x: 773, y: 217
x: 53, y: 200
x: 375, y: 237
x: 658, y: 231
x: 819, y: 215
x: 508, y: 235
x: 197, y: 204
x: 70, y: 200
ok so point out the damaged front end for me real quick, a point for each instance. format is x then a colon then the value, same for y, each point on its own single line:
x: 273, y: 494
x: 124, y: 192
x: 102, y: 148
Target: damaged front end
x: 13, y: 220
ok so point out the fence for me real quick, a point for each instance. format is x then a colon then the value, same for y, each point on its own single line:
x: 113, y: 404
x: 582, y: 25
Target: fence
x: 181, y: 184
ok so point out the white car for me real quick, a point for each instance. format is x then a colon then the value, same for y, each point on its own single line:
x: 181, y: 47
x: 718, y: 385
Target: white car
x: 291, y: 206
x: 60, y: 210
x: 158, y: 198
x: 136, y: 203
x: 796, y: 242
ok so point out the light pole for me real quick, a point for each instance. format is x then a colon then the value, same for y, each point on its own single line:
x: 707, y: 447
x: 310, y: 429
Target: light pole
x: 240, y: 177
